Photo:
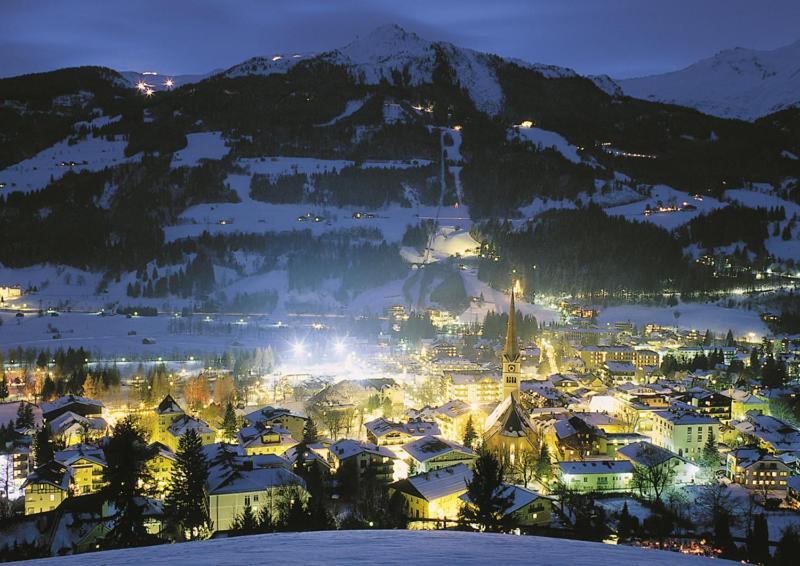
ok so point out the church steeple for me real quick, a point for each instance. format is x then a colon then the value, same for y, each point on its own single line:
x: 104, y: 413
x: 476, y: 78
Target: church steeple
x: 511, y: 355
x: 511, y: 349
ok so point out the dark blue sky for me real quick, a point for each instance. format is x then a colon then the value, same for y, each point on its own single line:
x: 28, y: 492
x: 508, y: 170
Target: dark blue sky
x: 618, y: 37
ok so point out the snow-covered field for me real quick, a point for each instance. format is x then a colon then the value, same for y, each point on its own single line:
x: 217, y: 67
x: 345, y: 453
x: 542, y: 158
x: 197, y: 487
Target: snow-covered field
x: 547, y: 139
x: 201, y: 145
x: 666, y: 196
x: 698, y: 316
x: 259, y: 217
x: 382, y: 547
x: 52, y: 163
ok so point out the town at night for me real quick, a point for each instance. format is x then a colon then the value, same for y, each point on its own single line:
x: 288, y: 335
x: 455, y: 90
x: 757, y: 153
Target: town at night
x: 367, y: 282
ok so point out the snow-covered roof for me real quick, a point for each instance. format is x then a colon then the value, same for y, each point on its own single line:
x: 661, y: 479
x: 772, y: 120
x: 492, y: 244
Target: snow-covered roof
x: 169, y: 406
x: 414, y: 427
x: 256, y: 479
x: 52, y: 473
x: 78, y: 452
x: 596, y: 467
x: 428, y: 447
x: 269, y: 413
x: 437, y: 484
x: 67, y: 400
x: 520, y: 497
x: 348, y: 448
x: 68, y: 419
x: 647, y: 454
x: 184, y: 423
x: 781, y: 436
x: 685, y: 418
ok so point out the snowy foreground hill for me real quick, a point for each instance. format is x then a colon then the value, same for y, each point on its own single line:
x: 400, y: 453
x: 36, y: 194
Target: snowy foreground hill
x: 734, y: 83
x: 382, y: 547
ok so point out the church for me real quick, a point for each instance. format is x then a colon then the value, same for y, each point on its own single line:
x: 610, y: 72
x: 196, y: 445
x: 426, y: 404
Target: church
x: 508, y: 430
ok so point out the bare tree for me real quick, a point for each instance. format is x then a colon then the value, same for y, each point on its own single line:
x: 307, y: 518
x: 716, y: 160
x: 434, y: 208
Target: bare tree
x: 652, y: 472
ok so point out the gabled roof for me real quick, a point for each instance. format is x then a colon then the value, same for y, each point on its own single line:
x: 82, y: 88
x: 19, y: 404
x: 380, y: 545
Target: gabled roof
x: 436, y: 484
x: 746, y: 456
x: 414, y: 427
x: 65, y: 420
x: 347, y: 448
x: 67, y: 400
x: 429, y: 447
x: 169, y: 406
x: 647, y: 454
x: 269, y: 413
x: 51, y: 473
x: 78, y: 452
x: 256, y: 479
x: 183, y: 423
x: 520, y: 497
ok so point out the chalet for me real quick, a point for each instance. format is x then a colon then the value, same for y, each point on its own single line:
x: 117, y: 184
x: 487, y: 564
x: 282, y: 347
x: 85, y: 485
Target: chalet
x: 743, y: 402
x: 161, y: 465
x: 265, y: 439
x: 709, y: 403
x: 597, y: 475
x: 72, y: 403
x: 756, y: 469
x: 284, y: 418
x: 435, y: 494
x: 431, y: 453
x: 72, y: 428
x: 769, y: 433
x: 86, y: 464
x: 361, y: 457
x: 184, y: 423
x: 473, y: 388
x: 384, y: 432
x: 46, y: 487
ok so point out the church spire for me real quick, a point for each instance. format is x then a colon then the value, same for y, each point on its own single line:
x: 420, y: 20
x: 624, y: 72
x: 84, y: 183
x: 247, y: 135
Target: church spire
x: 511, y: 349
x: 511, y: 354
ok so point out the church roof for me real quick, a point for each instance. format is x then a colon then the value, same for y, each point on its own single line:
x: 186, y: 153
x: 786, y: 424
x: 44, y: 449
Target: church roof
x: 508, y: 419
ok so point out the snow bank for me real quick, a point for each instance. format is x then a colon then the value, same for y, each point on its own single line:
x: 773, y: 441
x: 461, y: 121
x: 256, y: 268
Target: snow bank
x: 548, y: 139
x: 385, y: 547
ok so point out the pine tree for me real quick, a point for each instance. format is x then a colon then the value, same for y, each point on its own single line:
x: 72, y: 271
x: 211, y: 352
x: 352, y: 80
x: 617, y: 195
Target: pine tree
x: 126, y: 476
x: 729, y: 341
x: 230, y: 423
x: 25, y: 418
x: 310, y: 434
x: 723, y: 539
x: 488, y: 505
x: 758, y: 541
x: 42, y: 446
x: 470, y: 436
x: 246, y: 522
x: 710, y: 458
x: 187, y: 500
x: 624, y: 524
x: 48, y: 389
x: 3, y: 389
x: 544, y: 465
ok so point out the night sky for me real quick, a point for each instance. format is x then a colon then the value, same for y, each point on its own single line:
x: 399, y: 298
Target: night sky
x: 622, y: 38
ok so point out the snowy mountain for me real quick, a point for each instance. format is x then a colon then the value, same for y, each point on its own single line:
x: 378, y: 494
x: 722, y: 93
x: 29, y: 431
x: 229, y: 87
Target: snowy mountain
x: 735, y: 83
x: 393, y: 54
x: 385, y: 547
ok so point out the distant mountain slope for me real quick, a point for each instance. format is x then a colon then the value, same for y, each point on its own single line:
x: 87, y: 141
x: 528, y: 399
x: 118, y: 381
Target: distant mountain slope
x: 160, y: 81
x: 401, y: 58
x: 392, y: 547
x: 735, y: 83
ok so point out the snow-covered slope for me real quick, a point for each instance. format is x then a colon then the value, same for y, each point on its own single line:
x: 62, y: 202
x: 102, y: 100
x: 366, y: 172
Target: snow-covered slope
x: 735, y: 83
x: 390, y: 51
x: 384, y: 547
